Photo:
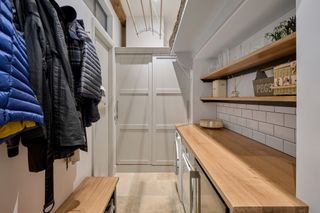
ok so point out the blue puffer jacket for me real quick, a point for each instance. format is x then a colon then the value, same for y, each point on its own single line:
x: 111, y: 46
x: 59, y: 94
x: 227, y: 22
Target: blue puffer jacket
x: 17, y: 100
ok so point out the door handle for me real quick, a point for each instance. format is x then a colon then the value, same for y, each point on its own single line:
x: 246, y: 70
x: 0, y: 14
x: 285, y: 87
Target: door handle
x: 116, y: 116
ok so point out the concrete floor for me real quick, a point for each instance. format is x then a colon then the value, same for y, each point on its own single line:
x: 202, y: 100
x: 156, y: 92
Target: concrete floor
x: 148, y: 193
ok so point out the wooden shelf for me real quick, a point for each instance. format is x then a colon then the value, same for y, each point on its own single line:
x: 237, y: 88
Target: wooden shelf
x: 274, y: 51
x: 265, y: 100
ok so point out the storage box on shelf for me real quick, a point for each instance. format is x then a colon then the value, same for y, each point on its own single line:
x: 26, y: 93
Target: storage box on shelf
x: 285, y: 79
x: 219, y: 88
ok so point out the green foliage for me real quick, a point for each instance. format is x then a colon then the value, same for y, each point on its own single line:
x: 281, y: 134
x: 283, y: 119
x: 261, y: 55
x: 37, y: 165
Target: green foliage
x: 283, y: 29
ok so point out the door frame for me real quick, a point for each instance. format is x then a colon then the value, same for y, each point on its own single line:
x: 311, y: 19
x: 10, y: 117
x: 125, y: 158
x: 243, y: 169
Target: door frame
x: 98, y: 31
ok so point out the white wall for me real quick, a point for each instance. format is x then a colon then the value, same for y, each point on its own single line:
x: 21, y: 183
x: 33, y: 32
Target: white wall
x: 272, y: 126
x: 22, y: 191
x: 199, y: 109
x: 145, y: 39
x: 308, y: 106
x: 245, y: 86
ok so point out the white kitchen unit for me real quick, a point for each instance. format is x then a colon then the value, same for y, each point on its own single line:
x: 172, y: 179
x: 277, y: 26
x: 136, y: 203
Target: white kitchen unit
x: 149, y: 104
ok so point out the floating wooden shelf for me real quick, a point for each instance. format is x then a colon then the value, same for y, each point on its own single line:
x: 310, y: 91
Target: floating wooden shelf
x: 264, y: 100
x: 274, y: 51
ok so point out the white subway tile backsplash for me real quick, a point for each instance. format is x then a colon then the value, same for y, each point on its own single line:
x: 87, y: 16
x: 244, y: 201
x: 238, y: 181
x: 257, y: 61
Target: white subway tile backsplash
x: 227, y: 124
x: 238, y: 129
x: 259, y: 116
x: 266, y: 108
x: 233, y: 119
x: 253, y: 107
x: 289, y: 148
x: 290, y: 121
x: 230, y: 105
x: 246, y: 132
x: 275, y: 143
x: 270, y: 125
x: 258, y: 136
x: 284, y: 133
x: 229, y: 110
x: 247, y: 113
x: 242, y: 106
x: 225, y: 117
x: 287, y: 110
x: 252, y: 124
x: 242, y: 121
x: 266, y: 128
x: 237, y: 112
x: 275, y: 118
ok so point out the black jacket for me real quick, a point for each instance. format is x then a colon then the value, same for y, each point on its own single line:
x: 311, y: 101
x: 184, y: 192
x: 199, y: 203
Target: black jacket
x: 52, y: 80
x: 85, y: 66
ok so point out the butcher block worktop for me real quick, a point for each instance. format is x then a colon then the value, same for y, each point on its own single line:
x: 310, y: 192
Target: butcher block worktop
x: 249, y: 176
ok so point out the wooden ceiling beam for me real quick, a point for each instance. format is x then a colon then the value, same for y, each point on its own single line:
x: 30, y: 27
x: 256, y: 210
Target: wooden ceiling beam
x: 117, y: 6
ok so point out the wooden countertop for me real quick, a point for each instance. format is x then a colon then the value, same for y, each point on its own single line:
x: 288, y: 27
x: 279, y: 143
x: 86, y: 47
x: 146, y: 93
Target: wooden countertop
x: 249, y: 176
x: 92, y: 195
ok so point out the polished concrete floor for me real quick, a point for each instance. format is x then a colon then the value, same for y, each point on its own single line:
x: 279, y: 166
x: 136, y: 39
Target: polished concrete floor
x: 147, y: 193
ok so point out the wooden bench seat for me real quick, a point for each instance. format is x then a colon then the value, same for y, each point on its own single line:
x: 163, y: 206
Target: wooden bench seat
x: 91, y: 196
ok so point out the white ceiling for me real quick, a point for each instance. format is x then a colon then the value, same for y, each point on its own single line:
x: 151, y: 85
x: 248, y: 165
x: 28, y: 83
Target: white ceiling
x: 170, y: 7
x: 202, y: 19
x: 170, y: 11
x: 209, y: 26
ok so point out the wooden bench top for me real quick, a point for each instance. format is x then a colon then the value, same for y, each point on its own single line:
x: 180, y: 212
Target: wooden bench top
x: 92, y: 195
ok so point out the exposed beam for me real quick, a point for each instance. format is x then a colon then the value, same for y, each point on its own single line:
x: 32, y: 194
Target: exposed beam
x: 117, y: 6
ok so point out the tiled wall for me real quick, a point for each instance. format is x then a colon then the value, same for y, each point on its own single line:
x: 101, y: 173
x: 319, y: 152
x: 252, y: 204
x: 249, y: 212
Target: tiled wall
x: 271, y: 125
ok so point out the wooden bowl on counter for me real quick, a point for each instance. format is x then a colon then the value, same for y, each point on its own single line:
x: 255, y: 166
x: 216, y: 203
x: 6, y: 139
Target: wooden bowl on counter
x: 211, y: 123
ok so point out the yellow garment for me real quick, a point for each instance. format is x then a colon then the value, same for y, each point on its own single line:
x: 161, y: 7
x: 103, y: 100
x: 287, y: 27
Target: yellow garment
x: 15, y: 127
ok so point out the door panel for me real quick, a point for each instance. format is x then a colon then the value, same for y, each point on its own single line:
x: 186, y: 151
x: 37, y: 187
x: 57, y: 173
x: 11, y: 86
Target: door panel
x: 169, y: 108
x: 133, y: 146
x: 164, y: 147
x: 150, y: 103
x: 134, y: 109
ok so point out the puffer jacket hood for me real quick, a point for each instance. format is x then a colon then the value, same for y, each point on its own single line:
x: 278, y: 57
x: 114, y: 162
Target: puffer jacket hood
x: 17, y: 99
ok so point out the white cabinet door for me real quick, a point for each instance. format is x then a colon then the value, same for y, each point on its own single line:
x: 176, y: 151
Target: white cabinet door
x: 134, y: 125
x: 169, y: 108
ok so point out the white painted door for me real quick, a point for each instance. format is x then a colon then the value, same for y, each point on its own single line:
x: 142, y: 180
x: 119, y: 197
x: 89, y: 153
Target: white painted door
x: 100, y: 134
x: 134, y: 105
x: 150, y: 103
x: 169, y: 108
